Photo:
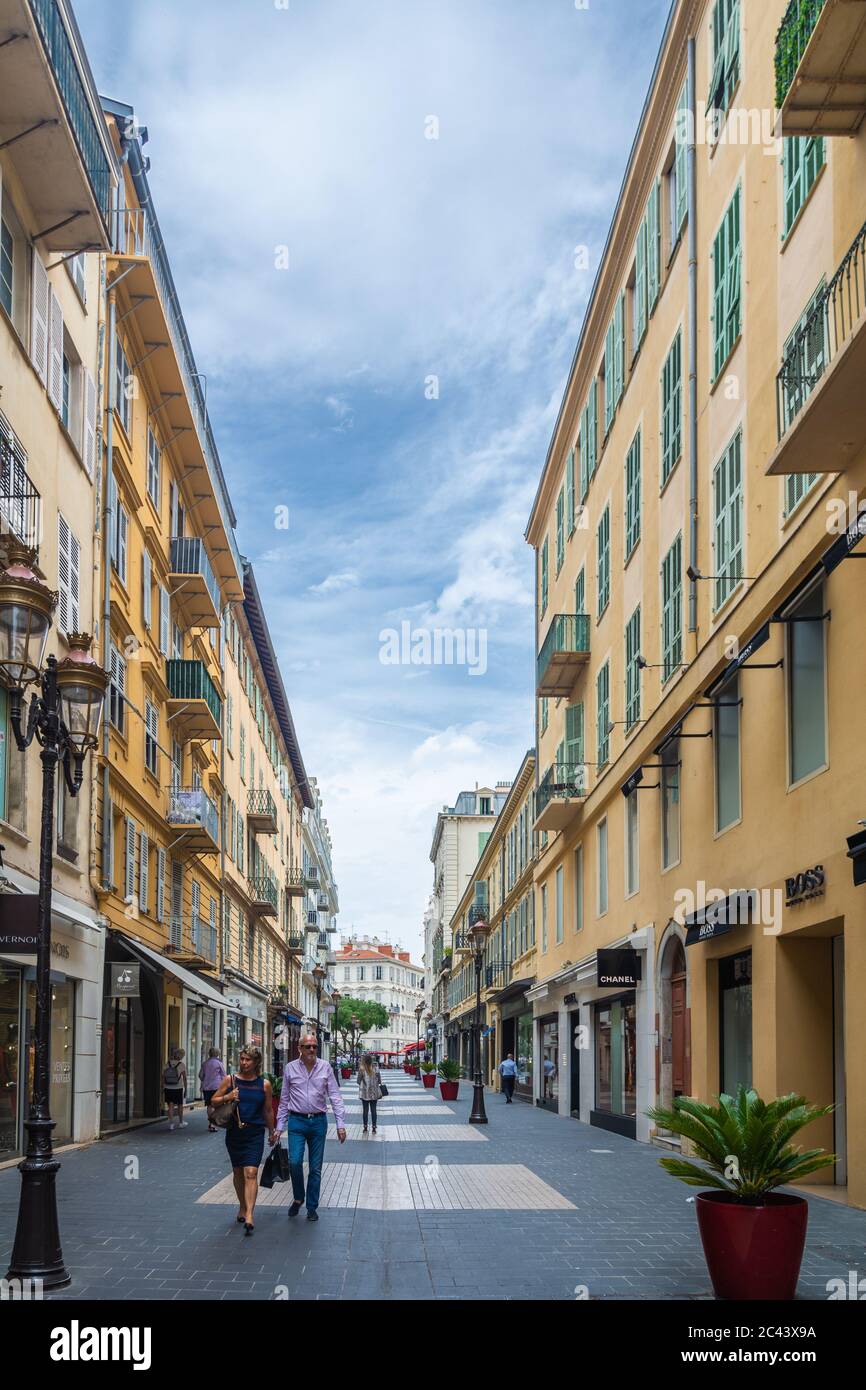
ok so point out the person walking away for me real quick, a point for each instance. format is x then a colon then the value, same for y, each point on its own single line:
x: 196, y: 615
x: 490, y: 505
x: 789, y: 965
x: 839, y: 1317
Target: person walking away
x: 245, y: 1139
x: 369, y: 1087
x: 508, y: 1072
x: 211, y: 1076
x: 308, y: 1085
x: 174, y: 1087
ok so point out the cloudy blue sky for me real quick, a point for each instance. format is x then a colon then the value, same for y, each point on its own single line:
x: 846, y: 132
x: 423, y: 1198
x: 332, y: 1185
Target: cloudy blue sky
x: 305, y: 125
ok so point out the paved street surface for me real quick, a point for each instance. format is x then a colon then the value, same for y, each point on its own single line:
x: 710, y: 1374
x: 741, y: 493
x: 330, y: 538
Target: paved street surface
x: 529, y: 1207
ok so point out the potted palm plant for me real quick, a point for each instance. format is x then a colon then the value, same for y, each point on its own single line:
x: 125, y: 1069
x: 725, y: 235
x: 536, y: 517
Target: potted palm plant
x: 428, y: 1075
x: 753, y: 1236
x: 450, y: 1073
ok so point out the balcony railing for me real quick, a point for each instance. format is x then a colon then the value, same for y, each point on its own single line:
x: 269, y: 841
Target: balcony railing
x: 188, y: 556
x: 204, y: 938
x: 564, y: 651
x: 20, y: 503
x: 837, y: 313
x: 312, y: 918
x: 295, y: 941
x: 561, y: 782
x: 193, y: 806
x: 792, y: 37
x: 188, y: 680
x: 263, y: 889
x: 64, y: 65
x: 499, y: 975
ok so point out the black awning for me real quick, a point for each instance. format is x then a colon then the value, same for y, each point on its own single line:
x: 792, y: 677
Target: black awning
x: 717, y: 918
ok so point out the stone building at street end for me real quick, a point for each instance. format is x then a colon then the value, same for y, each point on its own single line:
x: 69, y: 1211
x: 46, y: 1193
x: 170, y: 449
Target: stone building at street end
x: 699, y: 606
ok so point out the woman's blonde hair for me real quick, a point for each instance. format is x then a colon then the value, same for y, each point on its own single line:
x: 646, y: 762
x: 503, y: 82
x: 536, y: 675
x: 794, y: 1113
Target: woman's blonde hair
x: 255, y: 1056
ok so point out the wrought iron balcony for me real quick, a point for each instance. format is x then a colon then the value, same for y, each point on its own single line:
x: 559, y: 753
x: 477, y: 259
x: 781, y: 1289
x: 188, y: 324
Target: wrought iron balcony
x: 295, y: 941
x: 20, y: 503
x: 561, y: 790
x: 564, y: 652
x: 195, y: 708
x: 191, y: 811
x: 193, y: 584
x: 264, y: 894
x: 194, y: 943
x: 261, y: 812
x: 296, y: 883
x: 820, y: 401
x: 498, y: 976
x: 312, y: 919
x: 820, y: 66
x: 478, y: 913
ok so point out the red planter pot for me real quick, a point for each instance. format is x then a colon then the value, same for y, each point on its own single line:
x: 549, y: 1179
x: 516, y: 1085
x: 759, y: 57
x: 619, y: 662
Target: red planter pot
x: 429, y: 1081
x: 345, y: 1072
x: 753, y: 1253
x: 449, y: 1089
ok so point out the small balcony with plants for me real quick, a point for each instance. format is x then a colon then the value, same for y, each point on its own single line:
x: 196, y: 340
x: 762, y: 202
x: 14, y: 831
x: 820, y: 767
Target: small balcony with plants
x: 194, y: 819
x: 820, y: 401
x: 560, y: 795
x: 564, y: 653
x: 820, y: 63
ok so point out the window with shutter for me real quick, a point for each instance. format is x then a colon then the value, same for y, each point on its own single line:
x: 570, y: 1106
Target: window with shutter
x: 143, y: 874
x: 164, y: 620
x: 196, y: 914
x: 117, y: 690
x: 672, y: 393
x: 574, y: 755
x: 653, y: 246
x: 802, y: 161
x: 609, y: 375
x: 727, y: 256
x: 632, y: 496
x: 151, y: 738
x: 122, y: 541
x: 544, y: 714
x: 640, y: 288
x: 544, y: 576
x: 88, y: 418
x: 603, y: 553
x: 580, y: 592
x: 569, y: 492
x: 55, y: 351
x: 68, y: 577
x: 726, y: 54
x: 680, y: 204
x: 129, y: 860
x: 560, y: 530
x: 602, y: 693
x: 672, y: 610
x: 159, y: 905
x: 146, y: 589
x: 176, y: 923
x: 728, y: 521
x: 632, y: 670
x: 153, y: 469
x: 40, y: 295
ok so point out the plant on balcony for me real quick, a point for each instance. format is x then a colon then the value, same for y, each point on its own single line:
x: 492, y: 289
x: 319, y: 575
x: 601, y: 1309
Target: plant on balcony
x: 791, y: 40
x: 753, y: 1236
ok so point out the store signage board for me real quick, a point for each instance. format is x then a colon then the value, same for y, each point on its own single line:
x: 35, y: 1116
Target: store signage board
x: 841, y: 548
x: 618, y: 967
x: 123, y: 979
x: 19, y: 923
x: 720, y: 916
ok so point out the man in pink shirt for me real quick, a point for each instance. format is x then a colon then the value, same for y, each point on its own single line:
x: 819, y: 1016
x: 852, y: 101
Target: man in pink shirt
x: 308, y: 1084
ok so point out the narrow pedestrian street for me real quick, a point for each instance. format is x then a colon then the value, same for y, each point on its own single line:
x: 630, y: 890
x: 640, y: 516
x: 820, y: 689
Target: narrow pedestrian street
x: 530, y: 1206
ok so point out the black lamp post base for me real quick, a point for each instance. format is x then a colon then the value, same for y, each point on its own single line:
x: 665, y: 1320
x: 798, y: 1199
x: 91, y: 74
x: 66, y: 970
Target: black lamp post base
x: 478, y: 1114
x: 36, y: 1253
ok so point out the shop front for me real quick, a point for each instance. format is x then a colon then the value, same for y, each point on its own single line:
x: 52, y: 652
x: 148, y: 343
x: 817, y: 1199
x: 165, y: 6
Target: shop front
x: 548, y: 1055
x: 250, y: 1005
x: 516, y: 1033
x: 76, y: 965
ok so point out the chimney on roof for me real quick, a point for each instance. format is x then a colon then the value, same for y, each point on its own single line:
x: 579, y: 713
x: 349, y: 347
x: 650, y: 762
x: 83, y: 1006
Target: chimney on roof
x: 404, y: 955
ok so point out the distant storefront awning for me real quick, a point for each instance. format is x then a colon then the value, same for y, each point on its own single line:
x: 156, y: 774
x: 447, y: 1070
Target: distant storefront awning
x: 716, y: 918
x: 150, y: 958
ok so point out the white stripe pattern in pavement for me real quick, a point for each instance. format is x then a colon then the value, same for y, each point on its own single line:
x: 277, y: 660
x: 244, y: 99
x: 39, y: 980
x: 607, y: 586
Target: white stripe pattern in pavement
x: 385, y: 1113
x: 414, y: 1134
x: 420, y: 1187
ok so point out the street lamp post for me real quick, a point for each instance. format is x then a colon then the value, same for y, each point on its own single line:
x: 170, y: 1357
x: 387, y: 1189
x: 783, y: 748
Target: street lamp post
x: 336, y: 997
x: 318, y: 973
x: 478, y: 1115
x: 63, y: 716
x: 418, y: 1012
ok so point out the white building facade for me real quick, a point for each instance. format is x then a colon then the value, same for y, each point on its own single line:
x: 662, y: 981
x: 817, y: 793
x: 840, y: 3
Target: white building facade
x: 372, y: 970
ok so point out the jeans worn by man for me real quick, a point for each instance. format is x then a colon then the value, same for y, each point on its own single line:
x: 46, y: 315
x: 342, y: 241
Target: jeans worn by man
x: 508, y: 1072
x: 308, y: 1085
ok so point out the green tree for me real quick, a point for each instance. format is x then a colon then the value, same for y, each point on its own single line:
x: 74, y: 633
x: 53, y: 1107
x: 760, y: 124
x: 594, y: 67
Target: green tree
x: 368, y: 1014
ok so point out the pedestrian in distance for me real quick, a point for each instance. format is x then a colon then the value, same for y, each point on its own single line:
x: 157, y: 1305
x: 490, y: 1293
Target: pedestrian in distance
x: 308, y: 1085
x: 508, y: 1072
x: 369, y: 1087
x: 245, y: 1139
x: 174, y: 1087
x: 211, y: 1076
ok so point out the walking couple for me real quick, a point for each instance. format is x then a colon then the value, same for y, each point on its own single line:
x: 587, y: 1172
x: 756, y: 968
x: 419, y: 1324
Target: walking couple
x: 308, y: 1085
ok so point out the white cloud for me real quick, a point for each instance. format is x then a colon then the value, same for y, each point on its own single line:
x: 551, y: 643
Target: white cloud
x: 335, y: 583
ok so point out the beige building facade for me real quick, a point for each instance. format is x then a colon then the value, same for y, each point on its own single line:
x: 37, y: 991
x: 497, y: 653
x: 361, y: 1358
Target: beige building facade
x: 700, y: 649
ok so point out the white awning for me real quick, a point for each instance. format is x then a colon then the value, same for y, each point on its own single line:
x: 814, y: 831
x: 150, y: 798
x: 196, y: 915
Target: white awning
x: 206, y: 992
x: 69, y: 909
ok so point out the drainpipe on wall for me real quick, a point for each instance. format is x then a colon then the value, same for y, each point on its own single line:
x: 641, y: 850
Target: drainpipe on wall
x: 693, y: 346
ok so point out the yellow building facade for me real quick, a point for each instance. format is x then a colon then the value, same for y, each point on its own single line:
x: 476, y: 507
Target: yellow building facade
x: 499, y: 895
x: 698, y: 620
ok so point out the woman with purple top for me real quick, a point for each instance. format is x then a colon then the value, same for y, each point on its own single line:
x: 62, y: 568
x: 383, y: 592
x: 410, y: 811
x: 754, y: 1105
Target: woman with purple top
x: 211, y: 1076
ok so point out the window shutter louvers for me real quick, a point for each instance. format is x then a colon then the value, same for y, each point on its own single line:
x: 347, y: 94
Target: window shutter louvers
x: 160, y: 885
x: 146, y: 586
x: 143, y: 872
x: 569, y: 491
x: 40, y: 300
x: 55, y: 351
x: 129, y: 859
x: 88, y: 428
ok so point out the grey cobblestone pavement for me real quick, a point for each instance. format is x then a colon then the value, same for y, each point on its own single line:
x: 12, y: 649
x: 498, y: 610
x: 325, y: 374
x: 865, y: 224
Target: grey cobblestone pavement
x: 609, y: 1223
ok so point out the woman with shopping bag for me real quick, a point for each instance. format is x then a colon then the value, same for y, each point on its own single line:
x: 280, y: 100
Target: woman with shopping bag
x: 369, y: 1087
x: 250, y: 1099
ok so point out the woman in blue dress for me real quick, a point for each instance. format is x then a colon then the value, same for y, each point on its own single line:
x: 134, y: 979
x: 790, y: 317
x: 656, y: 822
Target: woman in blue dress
x: 245, y: 1139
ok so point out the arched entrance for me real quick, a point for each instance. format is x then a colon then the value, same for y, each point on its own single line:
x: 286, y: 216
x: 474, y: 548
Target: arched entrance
x: 674, y: 1022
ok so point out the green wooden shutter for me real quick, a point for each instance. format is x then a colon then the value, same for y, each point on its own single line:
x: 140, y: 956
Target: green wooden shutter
x: 569, y: 491
x: 640, y: 285
x: 632, y: 496
x: 585, y: 473
x: 609, y: 374
x: 544, y: 574
x: 653, y: 246
x: 619, y: 340
x: 681, y: 163
x: 580, y: 593
x: 574, y: 735
x: 560, y: 529
x: 632, y: 671
x: 592, y: 421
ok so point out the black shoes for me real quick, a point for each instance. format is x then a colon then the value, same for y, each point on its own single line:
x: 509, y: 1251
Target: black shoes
x: 248, y: 1228
x: 312, y: 1216
x: 294, y: 1209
